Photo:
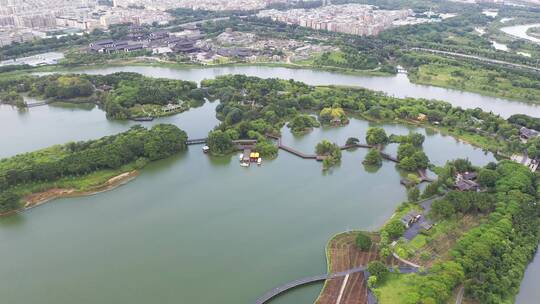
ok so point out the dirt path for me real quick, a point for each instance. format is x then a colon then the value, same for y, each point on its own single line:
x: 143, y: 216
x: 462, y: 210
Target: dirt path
x: 36, y: 199
x: 342, y: 255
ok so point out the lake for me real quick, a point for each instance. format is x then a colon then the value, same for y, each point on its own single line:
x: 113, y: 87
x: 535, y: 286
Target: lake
x: 398, y: 85
x: 200, y: 229
x: 193, y: 228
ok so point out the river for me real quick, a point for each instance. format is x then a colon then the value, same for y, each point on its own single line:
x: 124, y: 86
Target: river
x: 195, y: 228
x: 398, y: 85
x: 520, y: 31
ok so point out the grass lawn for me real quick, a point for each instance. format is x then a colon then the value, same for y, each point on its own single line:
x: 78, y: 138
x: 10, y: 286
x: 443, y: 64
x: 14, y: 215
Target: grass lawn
x: 425, y: 248
x: 480, y: 80
x: 396, y: 289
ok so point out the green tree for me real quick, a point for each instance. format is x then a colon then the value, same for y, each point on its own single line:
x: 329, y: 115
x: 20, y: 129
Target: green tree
x: 487, y: 177
x: 417, y: 139
x: 9, y: 201
x: 406, y: 150
x: 363, y: 241
x: 330, y: 151
x: 395, y: 229
x: 413, y: 194
x: 220, y: 142
x: 442, y: 209
x: 376, y: 136
x: 373, y: 158
x: 378, y: 269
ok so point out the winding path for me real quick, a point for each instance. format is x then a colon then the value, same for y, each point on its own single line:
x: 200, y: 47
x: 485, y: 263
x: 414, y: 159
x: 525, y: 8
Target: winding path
x: 303, y: 281
x: 308, y: 280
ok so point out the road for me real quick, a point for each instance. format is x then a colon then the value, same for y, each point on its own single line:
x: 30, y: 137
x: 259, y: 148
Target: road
x: 478, y: 58
x: 415, y: 228
x: 459, y: 297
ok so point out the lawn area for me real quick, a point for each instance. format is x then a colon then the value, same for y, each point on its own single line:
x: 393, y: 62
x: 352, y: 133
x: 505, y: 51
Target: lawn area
x: 396, y: 289
x: 480, y: 80
x: 436, y: 243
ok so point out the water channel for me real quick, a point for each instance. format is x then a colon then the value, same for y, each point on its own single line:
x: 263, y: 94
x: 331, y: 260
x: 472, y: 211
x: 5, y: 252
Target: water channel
x: 520, y: 31
x: 194, y: 228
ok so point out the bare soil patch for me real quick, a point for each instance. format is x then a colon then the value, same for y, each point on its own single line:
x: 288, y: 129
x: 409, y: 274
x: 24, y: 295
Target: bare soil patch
x: 36, y: 199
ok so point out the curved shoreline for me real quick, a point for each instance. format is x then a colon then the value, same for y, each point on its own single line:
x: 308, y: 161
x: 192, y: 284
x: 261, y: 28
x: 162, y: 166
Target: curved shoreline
x: 40, y: 198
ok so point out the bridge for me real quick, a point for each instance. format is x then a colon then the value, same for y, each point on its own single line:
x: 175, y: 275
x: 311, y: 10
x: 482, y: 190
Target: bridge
x: 308, y: 280
x: 198, y: 141
x: 389, y: 157
x: 304, y: 281
x: 321, y: 157
x: 37, y: 104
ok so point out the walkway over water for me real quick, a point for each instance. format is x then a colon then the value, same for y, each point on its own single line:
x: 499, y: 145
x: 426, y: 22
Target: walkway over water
x: 308, y: 280
x: 37, y: 104
x: 303, y: 281
x: 198, y: 141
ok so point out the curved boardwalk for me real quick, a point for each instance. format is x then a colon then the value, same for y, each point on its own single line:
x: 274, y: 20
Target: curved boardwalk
x: 303, y: 281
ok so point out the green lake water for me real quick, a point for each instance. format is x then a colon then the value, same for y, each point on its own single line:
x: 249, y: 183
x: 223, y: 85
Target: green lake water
x: 193, y: 228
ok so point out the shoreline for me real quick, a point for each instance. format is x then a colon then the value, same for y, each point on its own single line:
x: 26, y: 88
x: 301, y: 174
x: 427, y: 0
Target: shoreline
x: 40, y: 198
x: 178, y: 65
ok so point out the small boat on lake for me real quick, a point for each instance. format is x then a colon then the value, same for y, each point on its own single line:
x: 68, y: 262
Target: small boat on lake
x: 205, y: 149
x: 259, y: 161
x: 244, y: 164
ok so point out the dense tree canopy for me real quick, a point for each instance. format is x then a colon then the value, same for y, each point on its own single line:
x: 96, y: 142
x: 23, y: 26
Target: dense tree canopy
x: 80, y: 158
x: 376, y: 136
x: 363, y: 241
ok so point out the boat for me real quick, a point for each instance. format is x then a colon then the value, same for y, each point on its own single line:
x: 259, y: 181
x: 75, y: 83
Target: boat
x: 205, y: 149
x: 259, y: 161
x: 244, y: 164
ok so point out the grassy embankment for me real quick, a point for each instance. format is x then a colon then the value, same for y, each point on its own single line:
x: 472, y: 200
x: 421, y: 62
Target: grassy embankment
x: 304, y: 64
x: 342, y: 254
x: 478, y: 80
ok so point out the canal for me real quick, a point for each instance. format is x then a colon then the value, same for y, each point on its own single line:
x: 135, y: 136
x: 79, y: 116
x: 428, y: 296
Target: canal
x: 195, y: 228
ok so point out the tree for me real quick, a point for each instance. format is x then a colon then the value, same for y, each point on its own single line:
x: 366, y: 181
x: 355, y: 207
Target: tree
x: 376, y: 136
x: 413, y: 194
x: 373, y: 158
x: 352, y: 141
x: 164, y: 140
x: 416, y: 139
x: 330, y: 115
x: 395, y: 229
x: 421, y: 160
x: 378, y: 269
x: 330, y: 151
x: 266, y: 149
x: 442, y: 209
x: 462, y: 165
x: 9, y: 201
x: 363, y: 241
x: 303, y: 123
x: 487, y: 177
x: 220, y: 142
x: 407, y: 164
x: 406, y: 150
x: 372, y: 281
